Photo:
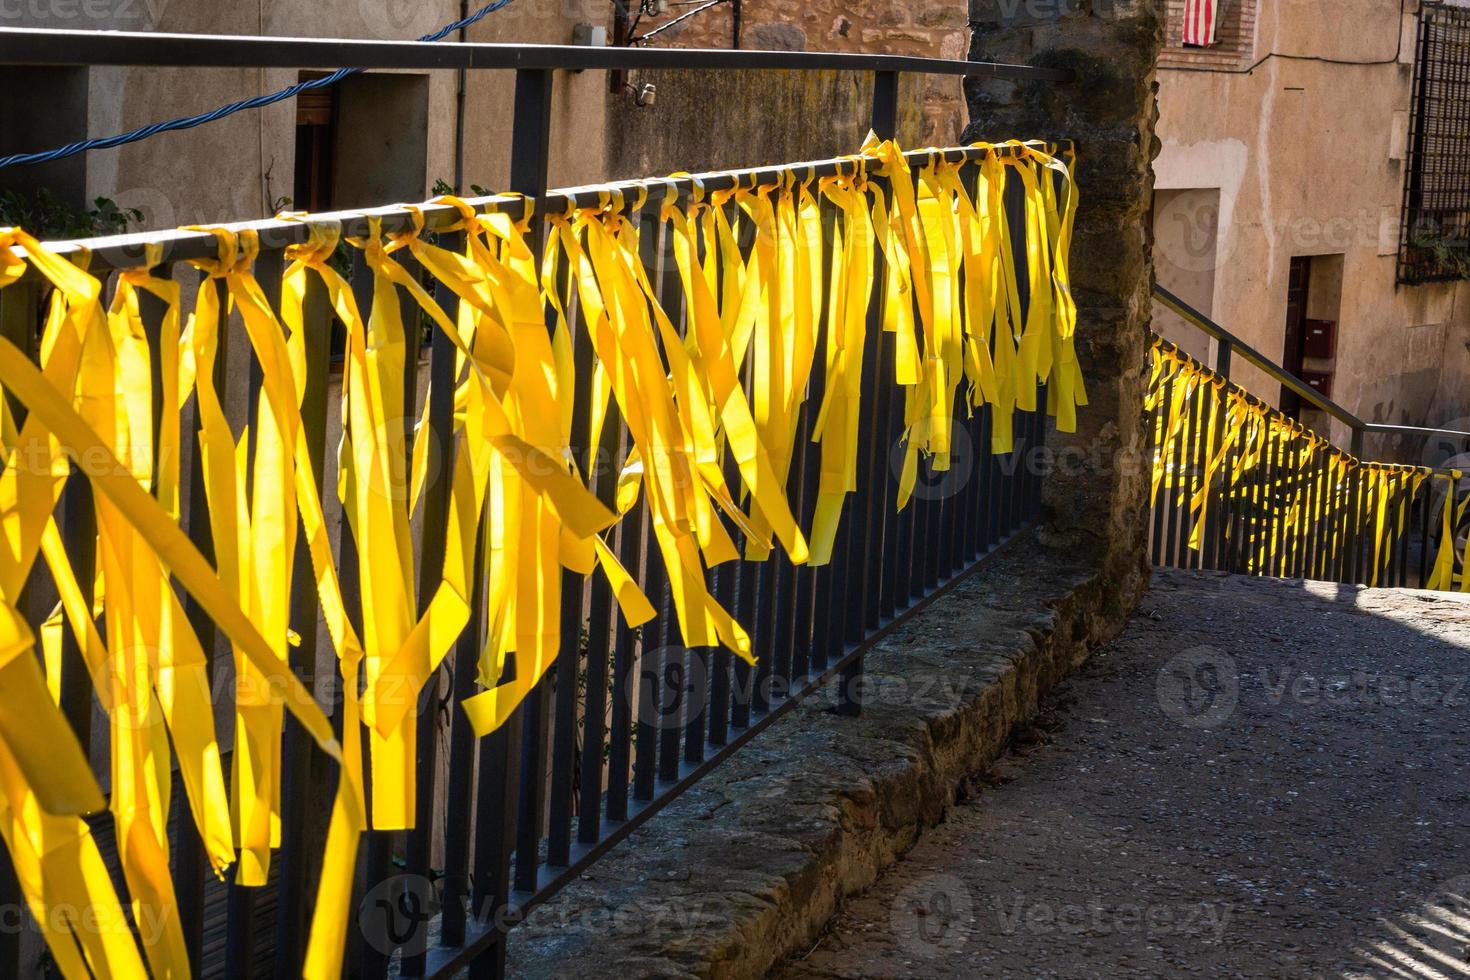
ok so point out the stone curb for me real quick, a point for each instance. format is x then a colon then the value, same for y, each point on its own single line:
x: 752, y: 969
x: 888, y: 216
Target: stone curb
x: 750, y: 865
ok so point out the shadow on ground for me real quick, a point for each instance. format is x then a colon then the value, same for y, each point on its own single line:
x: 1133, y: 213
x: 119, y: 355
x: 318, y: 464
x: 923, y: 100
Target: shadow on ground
x: 1259, y: 778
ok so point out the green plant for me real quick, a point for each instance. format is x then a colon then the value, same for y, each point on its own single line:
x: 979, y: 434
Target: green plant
x: 46, y: 217
x: 442, y: 187
x: 1448, y: 257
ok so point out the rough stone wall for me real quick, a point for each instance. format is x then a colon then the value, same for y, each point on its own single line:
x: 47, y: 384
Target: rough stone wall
x: 1095, y: 499
x: 937, y: 29
x: 726, y: 120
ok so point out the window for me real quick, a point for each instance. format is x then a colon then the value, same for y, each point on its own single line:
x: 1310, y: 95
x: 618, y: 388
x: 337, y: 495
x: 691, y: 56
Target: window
x: 1235, y: 36
x: 1434, y: 238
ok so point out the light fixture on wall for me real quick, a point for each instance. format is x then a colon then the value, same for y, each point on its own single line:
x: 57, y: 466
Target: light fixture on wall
x: 643, y: 95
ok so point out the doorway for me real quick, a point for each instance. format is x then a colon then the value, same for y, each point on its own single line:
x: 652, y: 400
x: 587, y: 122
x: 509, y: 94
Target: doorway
x: 1297, y: 285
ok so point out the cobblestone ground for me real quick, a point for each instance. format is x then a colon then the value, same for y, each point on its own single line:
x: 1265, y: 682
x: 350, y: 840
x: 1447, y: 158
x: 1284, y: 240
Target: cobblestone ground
x: 1258, y: 779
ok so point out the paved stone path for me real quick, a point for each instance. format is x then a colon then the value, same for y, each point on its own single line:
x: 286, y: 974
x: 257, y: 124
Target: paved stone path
x: 1258, y: 779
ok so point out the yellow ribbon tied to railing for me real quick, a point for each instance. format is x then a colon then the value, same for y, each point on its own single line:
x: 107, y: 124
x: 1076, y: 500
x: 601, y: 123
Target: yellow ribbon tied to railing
x: 753, y: 336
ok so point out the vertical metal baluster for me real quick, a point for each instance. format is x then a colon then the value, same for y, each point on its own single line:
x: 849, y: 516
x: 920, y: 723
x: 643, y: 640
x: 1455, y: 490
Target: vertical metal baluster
x: 240, y: 931
x: 303, y: 832
x: 376, y: 851
x: 1401, y: 531
x: 20, y: 304
x: 861, y: 608
x: 464, y: 657
x: 434, y: 544
x: 1209, y: 534
x: 1355, y: 526
x: 458, y: 799
x: 1322, y: 519
x: 1337, y: 560
x: 348, y: 569
x: 1286, y: 476
x: 1194, y: 450
x: 657, y: 257
x: 634, y: 543
x: 649, y: 665
x: 574, y: 591
x: 603, y: 476
x: 980, y: 501
x: 631, y: 534
x: 189, y: 859
x: 726, y: 579
x: 1178, y: 485
x: 529, y: 149
x: 1036, y: 470
x: 674, y: 679
x: 1264, y: 501
x: 803, y: 502
x: 502, y: 818
x: 1424, y: 525
x: 808, y: 578
x: 599, y: 649
x: 495, y: 833
x: 1306, y: 537
x: 1189, y: 557
x: 1158, y: 430
x: 760, y: 635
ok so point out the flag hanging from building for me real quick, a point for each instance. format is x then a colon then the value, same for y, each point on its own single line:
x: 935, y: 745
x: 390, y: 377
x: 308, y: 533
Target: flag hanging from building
x: 1200, y: 17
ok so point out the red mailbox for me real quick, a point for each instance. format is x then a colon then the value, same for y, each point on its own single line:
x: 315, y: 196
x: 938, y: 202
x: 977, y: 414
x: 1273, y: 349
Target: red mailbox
x: 1321, y: 381
x: 1319, y: 339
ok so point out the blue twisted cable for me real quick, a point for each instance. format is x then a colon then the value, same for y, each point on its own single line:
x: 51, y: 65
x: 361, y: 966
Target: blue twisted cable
x: 259, y: 101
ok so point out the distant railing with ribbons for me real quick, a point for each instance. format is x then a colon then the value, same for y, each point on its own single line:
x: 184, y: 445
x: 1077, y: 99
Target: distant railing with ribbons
x: 1238, y: 486
x: 682, y: 450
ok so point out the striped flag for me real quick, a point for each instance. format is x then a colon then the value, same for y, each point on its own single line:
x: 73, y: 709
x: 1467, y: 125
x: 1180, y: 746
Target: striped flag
x: 1200, y: 17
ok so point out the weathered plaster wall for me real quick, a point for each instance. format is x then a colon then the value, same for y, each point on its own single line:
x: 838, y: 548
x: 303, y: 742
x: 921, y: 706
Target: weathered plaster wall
x: 240, y: 166
x: 1307, y: 158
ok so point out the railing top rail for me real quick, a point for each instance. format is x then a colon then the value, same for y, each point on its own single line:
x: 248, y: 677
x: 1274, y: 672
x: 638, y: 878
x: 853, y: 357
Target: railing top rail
x: 37, y: 46
x: 1240, y: 347
x: 181, y: 245
x: 1306, y: 391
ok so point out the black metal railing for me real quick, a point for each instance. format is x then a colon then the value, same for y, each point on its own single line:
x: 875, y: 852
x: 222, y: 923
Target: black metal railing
x: 627, y: 719
x: 1281, y: 500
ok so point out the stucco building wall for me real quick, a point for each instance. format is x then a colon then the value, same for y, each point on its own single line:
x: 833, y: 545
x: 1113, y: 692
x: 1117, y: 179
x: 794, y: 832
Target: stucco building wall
x: 1302, y: 157
x: 243, y: 166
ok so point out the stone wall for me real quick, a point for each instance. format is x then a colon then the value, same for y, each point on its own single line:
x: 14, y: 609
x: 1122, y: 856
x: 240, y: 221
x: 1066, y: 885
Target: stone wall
x: 929, y: 29
x: 724, y: 120
x: 1096, y: 506
x: 746, y: 867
